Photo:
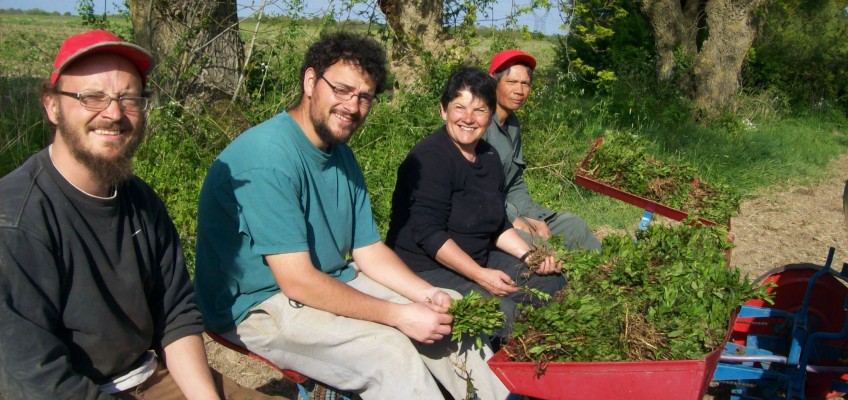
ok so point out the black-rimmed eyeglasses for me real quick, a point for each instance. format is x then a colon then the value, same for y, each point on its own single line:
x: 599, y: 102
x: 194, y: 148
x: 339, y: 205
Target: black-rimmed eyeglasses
x: 345, y: 94
x: 99, y: 101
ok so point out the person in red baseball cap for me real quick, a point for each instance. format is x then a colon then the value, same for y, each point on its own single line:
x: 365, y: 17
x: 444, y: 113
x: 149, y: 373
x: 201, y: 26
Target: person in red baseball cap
x: 95, y: 298
x: 513, y: 72
x: 99, y: 41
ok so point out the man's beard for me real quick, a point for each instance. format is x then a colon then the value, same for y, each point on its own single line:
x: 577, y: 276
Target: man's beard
x: 322, y: 129
x: 110, y: 171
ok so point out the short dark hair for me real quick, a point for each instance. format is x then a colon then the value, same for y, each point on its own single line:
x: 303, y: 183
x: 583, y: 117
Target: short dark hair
x: 504, y: 72
x: 472, y: 79
x: 360, y: 50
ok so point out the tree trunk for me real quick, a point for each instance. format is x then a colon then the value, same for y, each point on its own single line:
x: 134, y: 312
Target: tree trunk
x: 709, y: 73
x: 198, y: 51
x: 715, y: 73
x: 674, y: 26
x: 416, y: 28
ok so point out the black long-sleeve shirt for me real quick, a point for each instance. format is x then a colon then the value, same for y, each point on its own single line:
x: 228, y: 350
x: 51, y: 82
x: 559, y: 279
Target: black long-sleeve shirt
x: 87, y: 285
x: 440, y: 195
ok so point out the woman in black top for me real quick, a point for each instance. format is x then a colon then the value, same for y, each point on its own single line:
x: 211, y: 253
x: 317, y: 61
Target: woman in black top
x: 448, y: 220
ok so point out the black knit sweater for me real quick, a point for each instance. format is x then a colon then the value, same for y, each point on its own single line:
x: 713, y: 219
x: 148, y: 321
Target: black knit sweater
x: 87, y: 285
x: 440, y: 195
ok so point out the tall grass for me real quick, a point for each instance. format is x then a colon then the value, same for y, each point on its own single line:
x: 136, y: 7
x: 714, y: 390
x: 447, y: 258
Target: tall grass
x: 761, y: 145
x: 21, y: 121
x: 28, y: 43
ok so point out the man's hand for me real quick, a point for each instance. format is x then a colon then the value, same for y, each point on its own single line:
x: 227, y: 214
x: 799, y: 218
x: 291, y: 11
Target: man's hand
x: 532, y: 226
x: 440, y: 299
x: 496, y: 282
x: 424, y: 322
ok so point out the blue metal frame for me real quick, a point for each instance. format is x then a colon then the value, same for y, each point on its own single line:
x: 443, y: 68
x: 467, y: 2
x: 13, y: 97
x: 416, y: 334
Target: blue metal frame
x: 777, y: 367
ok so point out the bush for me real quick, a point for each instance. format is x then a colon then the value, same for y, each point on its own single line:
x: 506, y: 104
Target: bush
x: 174, y: 160
x: 801, y: 52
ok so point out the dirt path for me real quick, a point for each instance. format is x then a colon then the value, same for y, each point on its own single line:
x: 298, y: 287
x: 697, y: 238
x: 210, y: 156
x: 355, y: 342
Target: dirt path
x: 781, y: 226
x: 793, y: 224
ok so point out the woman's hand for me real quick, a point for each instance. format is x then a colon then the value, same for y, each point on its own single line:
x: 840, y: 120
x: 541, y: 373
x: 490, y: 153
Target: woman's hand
x: 548, y: 265
x: 496, y: 282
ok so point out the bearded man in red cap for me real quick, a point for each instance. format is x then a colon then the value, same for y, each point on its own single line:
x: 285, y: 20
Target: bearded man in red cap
x: 95, y: 299
x: 513, y: 72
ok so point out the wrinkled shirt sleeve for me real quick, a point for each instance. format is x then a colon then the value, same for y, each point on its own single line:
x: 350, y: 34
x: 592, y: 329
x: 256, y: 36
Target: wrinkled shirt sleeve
x: 519, y: 202
x: 174, y: 310
x: 507, y: 141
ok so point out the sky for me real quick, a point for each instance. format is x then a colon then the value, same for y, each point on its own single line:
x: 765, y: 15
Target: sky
x: 548, y: 24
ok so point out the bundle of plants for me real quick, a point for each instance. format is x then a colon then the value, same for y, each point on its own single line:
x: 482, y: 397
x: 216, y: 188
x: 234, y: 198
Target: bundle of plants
x: 476, y: 316
x: 622, y: 162
x: 479, y: 316
x: 668, y: 295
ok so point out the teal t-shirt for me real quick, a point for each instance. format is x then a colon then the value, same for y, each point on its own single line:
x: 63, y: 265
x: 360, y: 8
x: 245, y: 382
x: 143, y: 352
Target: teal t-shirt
x: 271, y: 191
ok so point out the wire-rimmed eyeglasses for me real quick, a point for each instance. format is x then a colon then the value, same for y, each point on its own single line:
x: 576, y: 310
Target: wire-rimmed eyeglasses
x: 99, y: 101
x: 345, y: 94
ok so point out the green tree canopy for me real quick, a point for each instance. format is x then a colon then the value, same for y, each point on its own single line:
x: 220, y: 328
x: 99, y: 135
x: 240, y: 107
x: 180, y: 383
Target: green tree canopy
x: 802, y: 51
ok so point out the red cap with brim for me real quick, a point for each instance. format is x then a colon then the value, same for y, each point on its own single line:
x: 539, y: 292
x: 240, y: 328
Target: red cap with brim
x: 99, y: 42
x: 508, y: 58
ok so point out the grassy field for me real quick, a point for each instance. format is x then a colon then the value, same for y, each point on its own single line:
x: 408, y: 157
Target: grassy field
x: 761, y: 144
x: 28, y: 44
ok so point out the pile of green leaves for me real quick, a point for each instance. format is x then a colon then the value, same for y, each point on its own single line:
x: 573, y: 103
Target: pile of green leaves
x: 475, y: 315
x: 622, y: 162
x: 666, y: 296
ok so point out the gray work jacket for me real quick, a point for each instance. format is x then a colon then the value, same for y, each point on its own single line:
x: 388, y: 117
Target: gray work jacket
x: 506, y: 140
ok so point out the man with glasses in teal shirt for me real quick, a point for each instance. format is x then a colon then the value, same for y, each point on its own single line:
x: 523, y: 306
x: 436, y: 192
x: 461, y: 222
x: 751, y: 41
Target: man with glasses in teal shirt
x: 283, y: 209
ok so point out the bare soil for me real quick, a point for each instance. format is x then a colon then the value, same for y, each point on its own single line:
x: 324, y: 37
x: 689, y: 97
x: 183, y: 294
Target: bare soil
x: 779, y: 226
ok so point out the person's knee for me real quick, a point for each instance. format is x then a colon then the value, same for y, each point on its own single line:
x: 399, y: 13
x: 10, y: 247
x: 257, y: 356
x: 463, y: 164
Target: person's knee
x: 548, y: 284
x: 576, y: 232
x: 551, y: 284
x: 399, y: 347
x: 452, y: 293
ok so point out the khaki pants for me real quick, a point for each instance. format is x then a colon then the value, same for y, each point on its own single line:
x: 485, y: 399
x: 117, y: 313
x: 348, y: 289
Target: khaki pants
x: 161, y: 386
x: 372, y: 360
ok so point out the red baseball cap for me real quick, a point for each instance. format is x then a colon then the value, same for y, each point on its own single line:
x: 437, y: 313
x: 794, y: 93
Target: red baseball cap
x: 97, y: 42
x: 508, y: 58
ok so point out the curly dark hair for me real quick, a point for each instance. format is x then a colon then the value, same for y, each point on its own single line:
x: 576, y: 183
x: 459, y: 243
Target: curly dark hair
x: 474, y: 80
x: 360, y: 50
